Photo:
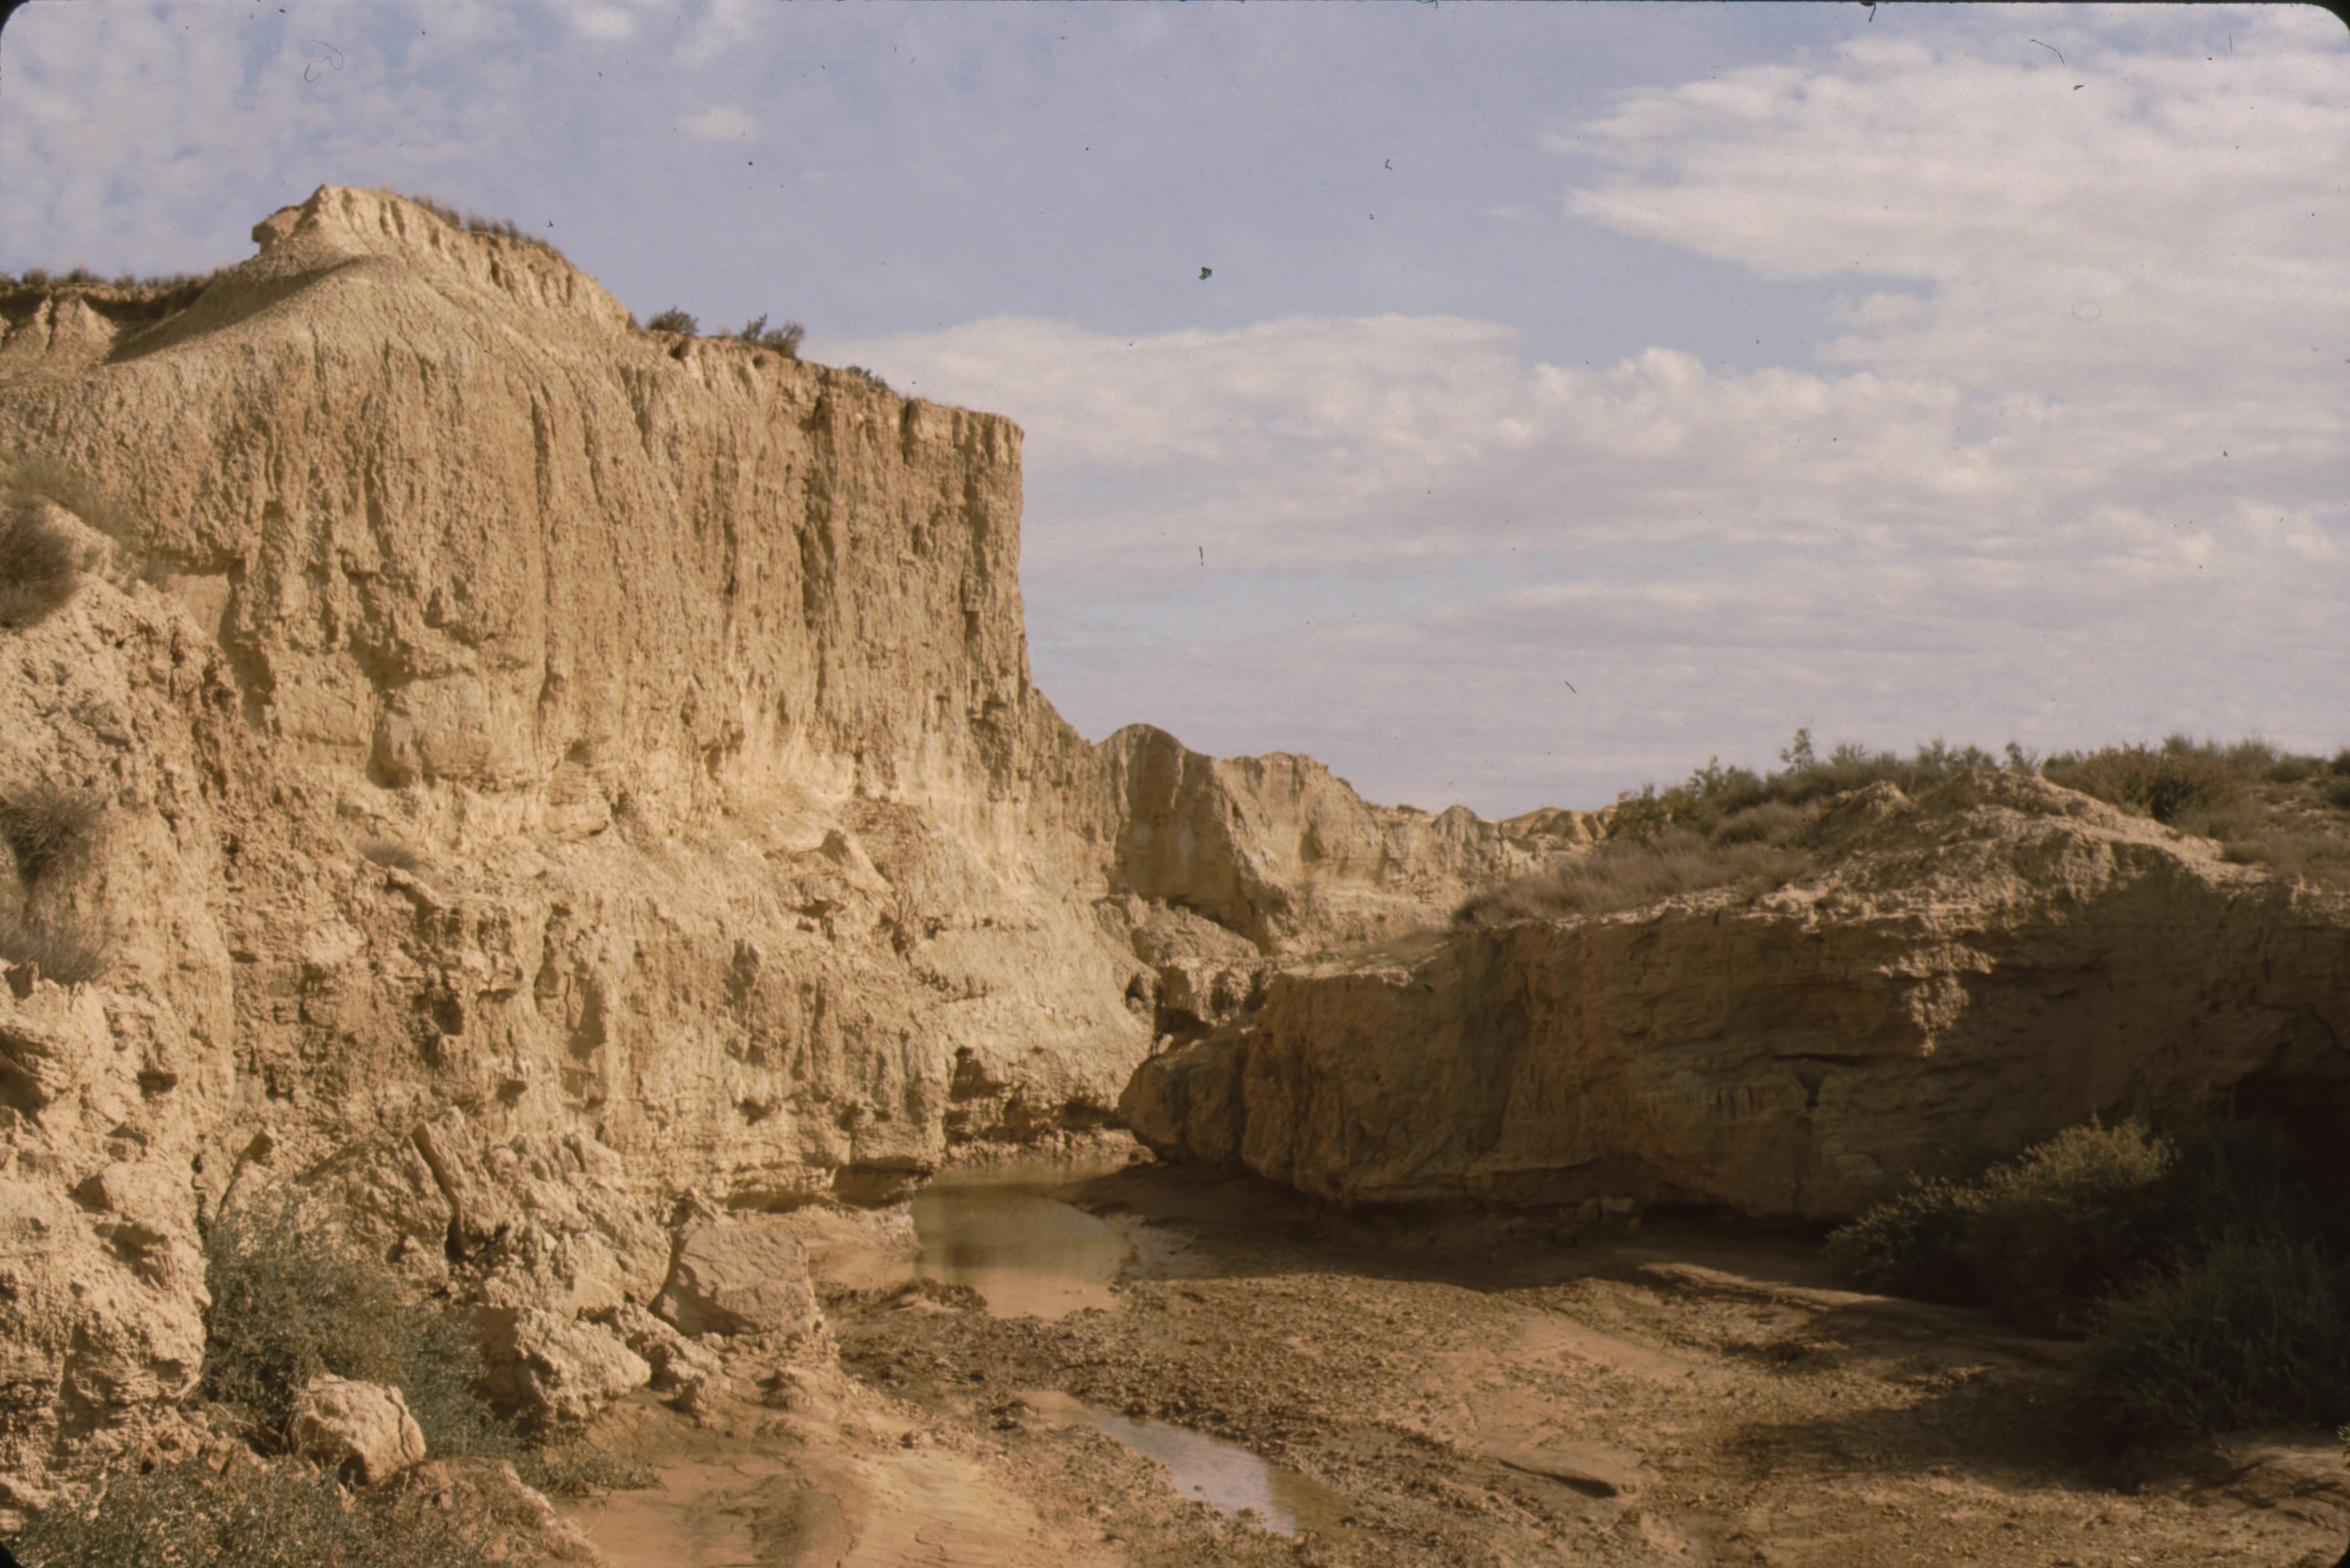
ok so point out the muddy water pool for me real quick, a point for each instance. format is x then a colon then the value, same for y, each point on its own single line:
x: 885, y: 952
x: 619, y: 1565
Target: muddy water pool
x: 1009, y: 1233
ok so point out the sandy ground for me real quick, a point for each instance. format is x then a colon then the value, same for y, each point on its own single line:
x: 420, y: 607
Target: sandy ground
x: 1458, y: 1392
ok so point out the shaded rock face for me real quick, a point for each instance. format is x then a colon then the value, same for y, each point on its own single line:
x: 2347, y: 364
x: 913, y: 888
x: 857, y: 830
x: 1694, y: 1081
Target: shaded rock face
x: 740, y: 1276
x: 538, y: 768
x: 1978, y: 969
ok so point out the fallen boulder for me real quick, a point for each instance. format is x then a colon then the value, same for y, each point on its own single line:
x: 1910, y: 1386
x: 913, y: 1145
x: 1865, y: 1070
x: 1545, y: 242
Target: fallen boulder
x: 739, y: 1275
x: 362, y: 1431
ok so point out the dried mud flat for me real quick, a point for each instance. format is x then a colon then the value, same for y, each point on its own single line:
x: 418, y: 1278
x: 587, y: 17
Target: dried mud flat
x: 1455, y: 1391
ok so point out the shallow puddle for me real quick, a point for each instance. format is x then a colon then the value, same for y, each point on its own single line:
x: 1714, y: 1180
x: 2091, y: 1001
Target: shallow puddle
x: 1029, y: 1254
x: 1224, y: 1475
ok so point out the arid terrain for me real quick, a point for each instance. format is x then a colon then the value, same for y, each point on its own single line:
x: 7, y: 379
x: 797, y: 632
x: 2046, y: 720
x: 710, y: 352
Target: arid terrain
x: 531, y: 847
x: 1437, y: 1390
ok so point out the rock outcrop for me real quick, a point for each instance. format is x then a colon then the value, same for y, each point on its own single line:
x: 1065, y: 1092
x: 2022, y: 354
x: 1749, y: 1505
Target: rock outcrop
x: 534, y: 768
x: 362, y: 1431
x: 1970, y: 970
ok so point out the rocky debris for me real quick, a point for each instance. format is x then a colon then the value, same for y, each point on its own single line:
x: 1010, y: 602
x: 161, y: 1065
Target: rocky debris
x: 362, y: 1431
x: 1981, y: 967
x: 693, y: 1376
x: 556, y: 1370
x: 744, y: 1274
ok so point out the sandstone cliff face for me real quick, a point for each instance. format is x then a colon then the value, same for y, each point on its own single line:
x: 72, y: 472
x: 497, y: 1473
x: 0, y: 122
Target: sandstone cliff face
x: 1974, y: 970
x: 543, y: 767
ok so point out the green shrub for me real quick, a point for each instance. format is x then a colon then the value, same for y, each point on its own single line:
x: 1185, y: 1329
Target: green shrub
x: 290, y: 1302
x: 871, y: 377
x: 674, y: 320
x: 2058, y: 1227
x: 2210, y: 1268
x: 40, y: 566
x: 182, y: 1515
x: 2166, y: 784
x: 1915, y: 1244
x: 47, y: 827
x: 2250, y: 1333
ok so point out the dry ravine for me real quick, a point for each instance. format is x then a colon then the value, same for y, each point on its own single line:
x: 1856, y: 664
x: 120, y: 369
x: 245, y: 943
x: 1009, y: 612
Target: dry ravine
x: 560, y: 809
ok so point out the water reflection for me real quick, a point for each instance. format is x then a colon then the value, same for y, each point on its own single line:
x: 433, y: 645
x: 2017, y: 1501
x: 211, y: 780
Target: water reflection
x: 1228, y: 1477
x: 1026, y: 1253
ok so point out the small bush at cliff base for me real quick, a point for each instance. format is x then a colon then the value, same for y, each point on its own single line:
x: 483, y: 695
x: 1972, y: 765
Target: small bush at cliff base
x: 2055, y: 1230
x: 1915, y: 1244
x: 2209, y: 1270
x: 39, y: 566
x: 183, y: 1516
x: 2255, y: 1332
x: 290, y: 1302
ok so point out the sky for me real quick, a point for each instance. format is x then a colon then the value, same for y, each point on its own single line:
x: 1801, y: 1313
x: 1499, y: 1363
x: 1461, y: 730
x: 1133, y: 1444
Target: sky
x: 1505, y: 404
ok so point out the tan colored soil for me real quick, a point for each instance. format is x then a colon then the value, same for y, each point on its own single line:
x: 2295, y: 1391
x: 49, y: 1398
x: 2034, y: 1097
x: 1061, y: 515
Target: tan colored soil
x: 1479, y: 1391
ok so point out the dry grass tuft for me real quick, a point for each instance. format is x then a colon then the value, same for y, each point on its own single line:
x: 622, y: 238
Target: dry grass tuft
x: 1633, y: 873
x: 63, y: 955
x: 47, y: 827
x: 473, y: 223
x: 39, y: 566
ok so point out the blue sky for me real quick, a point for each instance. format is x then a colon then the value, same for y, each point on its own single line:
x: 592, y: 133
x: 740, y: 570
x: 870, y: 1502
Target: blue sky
x: 1578, y: 392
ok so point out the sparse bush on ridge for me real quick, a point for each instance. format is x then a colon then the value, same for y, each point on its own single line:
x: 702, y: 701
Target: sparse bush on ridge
x: 2165, y: 784
x: 871, y: 378
x: 785, y: 339
x: 1632, y: 873
x: 675, y: 320
x: 473, y: 223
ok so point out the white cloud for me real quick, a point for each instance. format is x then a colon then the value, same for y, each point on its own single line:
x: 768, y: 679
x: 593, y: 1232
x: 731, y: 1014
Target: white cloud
x: 719, y: 124
x: 2064, y: 484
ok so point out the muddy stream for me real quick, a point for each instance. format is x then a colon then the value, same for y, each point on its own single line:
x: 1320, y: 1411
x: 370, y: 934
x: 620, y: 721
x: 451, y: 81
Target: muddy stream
x: 1110, y: 1364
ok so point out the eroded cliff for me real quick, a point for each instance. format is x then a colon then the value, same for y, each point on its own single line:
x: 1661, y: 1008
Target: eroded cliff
x: 1964, y: 972
x: 537, y: 768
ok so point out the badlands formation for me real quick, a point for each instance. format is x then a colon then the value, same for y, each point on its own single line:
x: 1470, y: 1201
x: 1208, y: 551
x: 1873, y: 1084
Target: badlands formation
x: 571, y: 811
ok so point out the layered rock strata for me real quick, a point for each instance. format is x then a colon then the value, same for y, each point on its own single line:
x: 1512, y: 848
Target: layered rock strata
x: 1968, y: 971
x: 535, y: 769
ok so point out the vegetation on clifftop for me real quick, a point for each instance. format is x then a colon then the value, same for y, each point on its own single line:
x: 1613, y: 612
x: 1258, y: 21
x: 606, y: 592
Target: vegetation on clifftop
x: 1732, y: 827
